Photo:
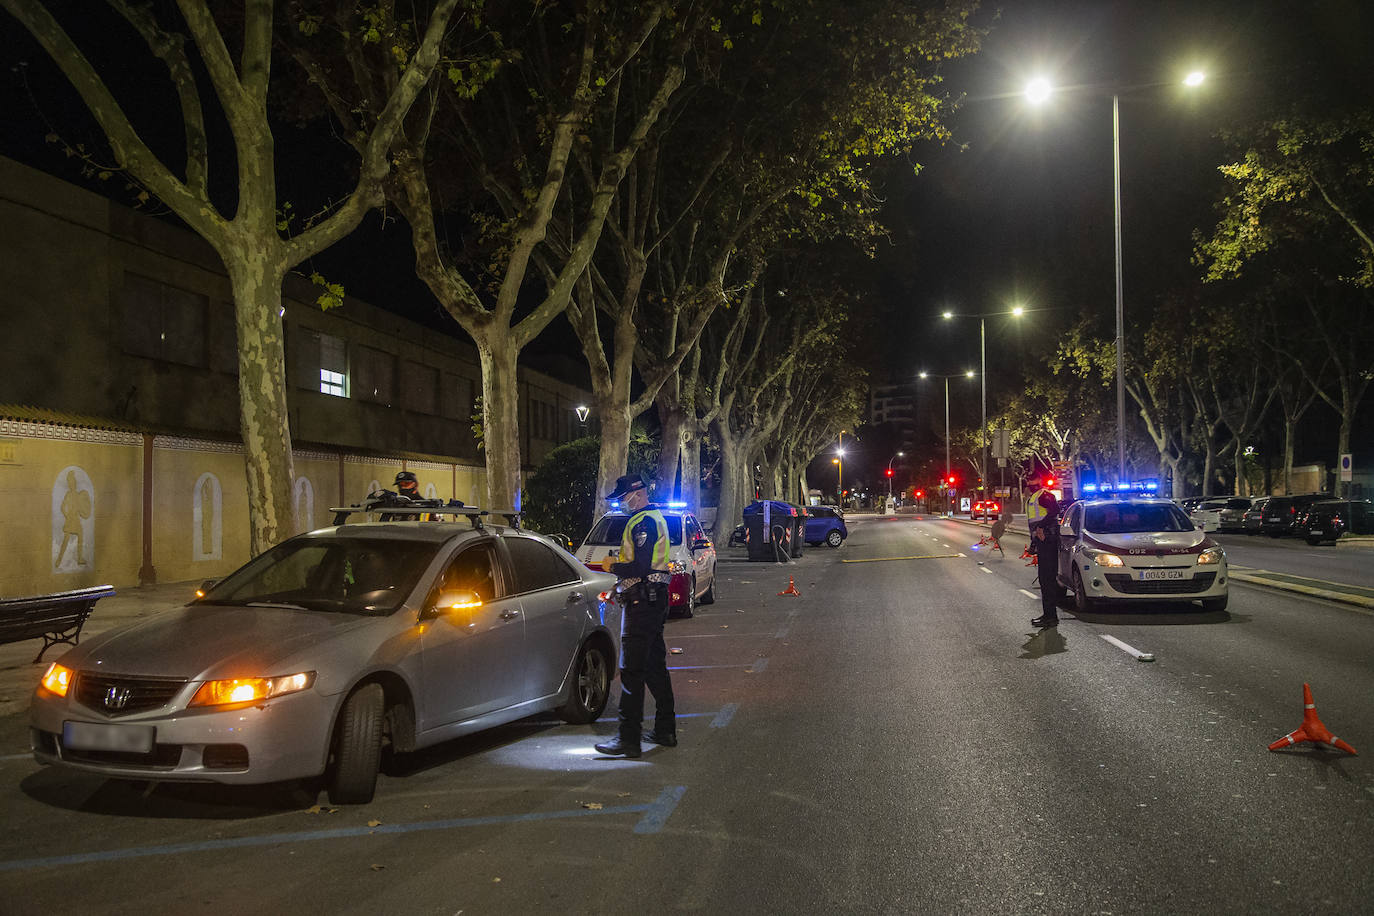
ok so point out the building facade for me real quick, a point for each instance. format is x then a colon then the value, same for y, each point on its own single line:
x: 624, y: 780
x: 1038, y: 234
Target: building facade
x: 120, y: 458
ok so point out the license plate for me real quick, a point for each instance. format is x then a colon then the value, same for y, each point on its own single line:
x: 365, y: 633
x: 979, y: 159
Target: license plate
x: 92, y: 736
x: 1315, y: 531
x: 1164, y: 574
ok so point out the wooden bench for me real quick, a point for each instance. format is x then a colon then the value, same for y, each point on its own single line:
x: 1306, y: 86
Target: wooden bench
x: 58, y: 618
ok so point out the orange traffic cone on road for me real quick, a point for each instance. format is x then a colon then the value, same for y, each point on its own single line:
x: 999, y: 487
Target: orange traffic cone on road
x: 1027, y: 555
x: 1311, y: 729
x: 791, y: 588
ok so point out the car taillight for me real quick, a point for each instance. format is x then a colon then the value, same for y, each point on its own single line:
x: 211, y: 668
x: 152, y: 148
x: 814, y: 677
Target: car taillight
x: 677, y: 589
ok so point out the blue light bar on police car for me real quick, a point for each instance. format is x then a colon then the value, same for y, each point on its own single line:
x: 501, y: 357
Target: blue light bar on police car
x: 1089, y: 488
x: 614, y: 504
x: 677, y: 505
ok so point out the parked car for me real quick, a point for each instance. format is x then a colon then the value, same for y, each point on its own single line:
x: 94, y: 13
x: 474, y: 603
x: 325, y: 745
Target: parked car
x: 691, y: 555
x: 825, y: 525
x: 1281, y: 513
x: 316, y: 653
x: 1132, y: 550
x: 1191, y: 502
x: 1253, y: 516
x: 1207, y: 514
x: 1328, y: 520
x: 985, y: 509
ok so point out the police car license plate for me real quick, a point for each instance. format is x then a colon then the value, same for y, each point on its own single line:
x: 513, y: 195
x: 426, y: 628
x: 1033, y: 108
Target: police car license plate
x: 93, y: 736
x: 1164, y: 574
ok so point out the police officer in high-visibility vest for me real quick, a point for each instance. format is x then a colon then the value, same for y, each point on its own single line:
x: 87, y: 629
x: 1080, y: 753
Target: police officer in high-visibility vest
x: 642, y: 566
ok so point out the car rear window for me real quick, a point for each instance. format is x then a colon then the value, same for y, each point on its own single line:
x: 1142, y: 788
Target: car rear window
x: 611, y: 530
x: 1131, y: 518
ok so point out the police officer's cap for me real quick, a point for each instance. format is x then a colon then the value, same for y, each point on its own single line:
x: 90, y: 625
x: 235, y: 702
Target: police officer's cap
x: 407, y: 476
x: 625, y: 485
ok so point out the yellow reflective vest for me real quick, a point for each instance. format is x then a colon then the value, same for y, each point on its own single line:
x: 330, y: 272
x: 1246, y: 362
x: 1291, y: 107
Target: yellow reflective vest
x: 658, y: 561
x: 1035, y: 511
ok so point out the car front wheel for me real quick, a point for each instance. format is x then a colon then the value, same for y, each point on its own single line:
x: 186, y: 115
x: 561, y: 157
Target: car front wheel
x: 1081, y: 602
x: 834, y: 538
x: 358, y: 747
x: 592, y: 687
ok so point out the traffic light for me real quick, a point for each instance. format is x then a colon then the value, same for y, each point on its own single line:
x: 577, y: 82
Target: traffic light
x: 889, y: 472
x: 1049, y: 482
x: 920, y: 494
x: 951, y: 480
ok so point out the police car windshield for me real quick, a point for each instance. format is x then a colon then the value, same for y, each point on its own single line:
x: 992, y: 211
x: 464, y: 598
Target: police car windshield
x: 611, y: 529
x: 1134, y: 518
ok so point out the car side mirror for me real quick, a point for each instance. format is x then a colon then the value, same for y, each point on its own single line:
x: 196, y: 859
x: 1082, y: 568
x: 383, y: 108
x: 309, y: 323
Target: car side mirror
x: 700, y: 544
x: 455, y: 601
x: 205, y: 587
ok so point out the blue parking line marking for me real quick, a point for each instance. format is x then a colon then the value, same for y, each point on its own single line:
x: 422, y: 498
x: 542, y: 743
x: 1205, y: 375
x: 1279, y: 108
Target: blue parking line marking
x: 727, y: 712
x: 654, y: 813
x: 758, y: 666
x: 28, y: 756
x: 654, y: 818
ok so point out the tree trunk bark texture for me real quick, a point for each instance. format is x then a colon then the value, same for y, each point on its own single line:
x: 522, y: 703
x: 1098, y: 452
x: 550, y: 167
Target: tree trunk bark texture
x: 500, y: 418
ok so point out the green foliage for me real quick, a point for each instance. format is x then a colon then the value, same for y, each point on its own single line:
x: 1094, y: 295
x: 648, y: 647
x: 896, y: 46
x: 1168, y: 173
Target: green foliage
x: 478, y: 418
x: 560, y: 497
x: 332, y: 294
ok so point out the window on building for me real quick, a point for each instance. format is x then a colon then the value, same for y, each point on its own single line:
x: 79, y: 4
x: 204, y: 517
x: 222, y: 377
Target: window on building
x: 162, y: 322
x: 333, y: 366
x: 421, y: 386
x: 374, y: 375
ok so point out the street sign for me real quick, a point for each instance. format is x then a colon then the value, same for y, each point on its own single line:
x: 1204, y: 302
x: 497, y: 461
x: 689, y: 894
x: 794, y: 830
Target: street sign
x: 1001, y: 443
x: 1002, y: 492
x: 1347, y: 467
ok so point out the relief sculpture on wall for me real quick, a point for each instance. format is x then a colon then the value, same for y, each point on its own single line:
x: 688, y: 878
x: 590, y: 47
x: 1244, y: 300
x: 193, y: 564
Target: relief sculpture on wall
x: 304, y: 503
x: 73, y: 521
x: 207, y: 519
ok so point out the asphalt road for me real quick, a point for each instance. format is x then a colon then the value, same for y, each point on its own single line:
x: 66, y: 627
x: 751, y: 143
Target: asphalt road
x: 897, y: 739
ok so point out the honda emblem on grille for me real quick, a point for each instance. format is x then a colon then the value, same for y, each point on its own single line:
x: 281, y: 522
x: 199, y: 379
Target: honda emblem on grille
x: 116, y: 697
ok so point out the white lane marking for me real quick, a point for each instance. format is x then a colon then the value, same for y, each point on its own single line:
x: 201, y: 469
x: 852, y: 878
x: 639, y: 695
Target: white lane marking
x: 1028, y: 593
x: 944, y: 545
x: 959, y: 554
x: 984, y: 569
x: 1129, y: 650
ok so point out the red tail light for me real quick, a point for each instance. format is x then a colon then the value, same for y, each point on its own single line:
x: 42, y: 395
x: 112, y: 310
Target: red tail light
x: 677, y: 589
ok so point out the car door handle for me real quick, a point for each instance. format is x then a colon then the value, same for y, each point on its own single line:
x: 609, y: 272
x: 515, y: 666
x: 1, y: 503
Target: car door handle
x: 574, y: 597
x: 509, y: 614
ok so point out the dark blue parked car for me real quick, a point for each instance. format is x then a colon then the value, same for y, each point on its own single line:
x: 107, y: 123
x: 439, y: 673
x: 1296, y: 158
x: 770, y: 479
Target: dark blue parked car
x: 825, y: 524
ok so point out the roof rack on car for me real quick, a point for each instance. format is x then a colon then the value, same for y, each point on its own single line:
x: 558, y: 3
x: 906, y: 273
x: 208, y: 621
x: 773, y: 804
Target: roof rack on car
x: 418, y: 510
x: 512, y: 516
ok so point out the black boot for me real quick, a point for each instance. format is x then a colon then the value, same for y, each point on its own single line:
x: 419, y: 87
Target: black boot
x: 617, y: 747
x: 664, y: 738
x: 1045, y: 620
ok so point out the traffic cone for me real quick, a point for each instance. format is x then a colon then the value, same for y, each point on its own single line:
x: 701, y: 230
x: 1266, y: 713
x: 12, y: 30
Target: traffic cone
x: 1027, y: 555
x: 1311, y: 729
x: 791, y: 588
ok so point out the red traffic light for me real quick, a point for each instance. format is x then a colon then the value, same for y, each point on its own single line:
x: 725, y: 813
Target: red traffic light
x: 1049, y: 483
x: 951, y: 480
x: 920, y: 494
x: 889, y: 472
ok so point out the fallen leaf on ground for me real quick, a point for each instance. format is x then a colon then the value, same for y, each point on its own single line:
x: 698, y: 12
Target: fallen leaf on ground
x: 313, y: 809
x: 725, y: 626
x: 376, y: 867
x: 592, y: 806
x: 374, y: 823
x: 495, y: 880
x: 622, y: 795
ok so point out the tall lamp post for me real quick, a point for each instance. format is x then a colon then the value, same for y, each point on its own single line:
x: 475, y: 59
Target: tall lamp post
x: 889, y: 470
x: 839, y: 482
x: 1038, y: 91
x: 968, y: 374
x: 1016, y: 312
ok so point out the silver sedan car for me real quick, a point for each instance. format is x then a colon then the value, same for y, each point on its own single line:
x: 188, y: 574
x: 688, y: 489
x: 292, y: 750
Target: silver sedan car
x: 315, y: 654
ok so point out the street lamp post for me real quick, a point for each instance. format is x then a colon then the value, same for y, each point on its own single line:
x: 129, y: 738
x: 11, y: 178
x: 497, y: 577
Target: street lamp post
x: 839, y: 482
x: 968, y: 374
x: 1037, y: 92
x: 889, y: 470
x: 1017, y: 312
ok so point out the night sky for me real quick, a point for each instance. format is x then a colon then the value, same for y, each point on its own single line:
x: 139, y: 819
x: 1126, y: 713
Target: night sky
x: 1017, y: 209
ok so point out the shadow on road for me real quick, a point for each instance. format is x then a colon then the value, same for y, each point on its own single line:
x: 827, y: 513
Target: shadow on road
x: 166, y: 800
x: 1166, y: 616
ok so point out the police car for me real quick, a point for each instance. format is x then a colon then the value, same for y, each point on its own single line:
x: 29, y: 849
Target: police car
x: 1138, y: 549
x: 691, y: 555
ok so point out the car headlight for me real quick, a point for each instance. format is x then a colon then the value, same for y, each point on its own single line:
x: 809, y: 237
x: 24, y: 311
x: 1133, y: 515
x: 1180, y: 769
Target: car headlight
x: 57, y: 679
x: 1211, y: 555
x: 1103, y: 558
x: 250, y: 689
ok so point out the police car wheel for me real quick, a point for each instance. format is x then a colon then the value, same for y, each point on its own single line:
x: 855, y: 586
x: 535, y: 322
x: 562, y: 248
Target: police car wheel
x: 710, y: 596
x: 1081, y: 601
x: 689, y: 609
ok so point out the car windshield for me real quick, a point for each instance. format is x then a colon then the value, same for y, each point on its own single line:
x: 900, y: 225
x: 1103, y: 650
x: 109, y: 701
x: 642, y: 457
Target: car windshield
x: 611, y: 529
x: 1132, y: 518
x: 337, y: 575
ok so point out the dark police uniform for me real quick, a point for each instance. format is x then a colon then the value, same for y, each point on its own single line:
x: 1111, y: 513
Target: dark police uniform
x: 1047, y: 562
x: 644, y: 577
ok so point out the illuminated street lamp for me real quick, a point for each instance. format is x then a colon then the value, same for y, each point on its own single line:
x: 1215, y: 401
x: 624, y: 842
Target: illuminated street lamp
x: 1038, y: 91
x: 839, y: 482
x: 1015, y: 312
x: 968, y: 374
x: 889, y: 471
